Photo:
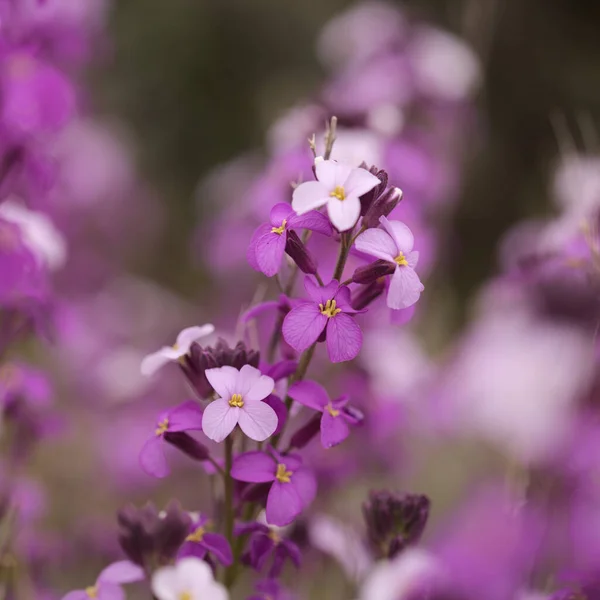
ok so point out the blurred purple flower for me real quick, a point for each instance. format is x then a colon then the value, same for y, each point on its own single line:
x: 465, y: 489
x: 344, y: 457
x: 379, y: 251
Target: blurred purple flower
x: 201, y: 541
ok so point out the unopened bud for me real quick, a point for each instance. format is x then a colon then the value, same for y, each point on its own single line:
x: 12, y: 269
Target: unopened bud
x: 370, y: 273
x: 367, y: 294
x: 382, y: 207
x: 366, y: 200
x: 300, y: 254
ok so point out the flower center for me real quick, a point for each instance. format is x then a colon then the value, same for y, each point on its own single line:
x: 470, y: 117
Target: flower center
x: 283, y: 475
x: 339, y: 192
x: 236, y: 400
x: 400, y: 260
x: 185, y: 596
x: 274, y: 536
x: 334, y: 412
x: 279, y: 230
x: 196, y: 536
x: 330, y: 309
x: 162, y: 427
x: 92, y: 591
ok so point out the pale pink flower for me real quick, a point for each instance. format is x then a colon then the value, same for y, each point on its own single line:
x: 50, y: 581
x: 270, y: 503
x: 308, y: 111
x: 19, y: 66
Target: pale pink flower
x: 190, y: 579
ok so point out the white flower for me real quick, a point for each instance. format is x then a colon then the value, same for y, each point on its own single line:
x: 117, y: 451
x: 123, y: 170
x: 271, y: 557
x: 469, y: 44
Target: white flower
x: 190, y: 579
x: 166, y: 354
x: 339, y: 187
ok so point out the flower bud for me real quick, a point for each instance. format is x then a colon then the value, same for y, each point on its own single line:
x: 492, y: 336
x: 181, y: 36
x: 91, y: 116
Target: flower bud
x: 367, y: 199
x: 187, y: 444
x: 367, y: 294
x: 370, y: 273
x: 306, y: 433
x: 382, y: 207
x: 300, y: 254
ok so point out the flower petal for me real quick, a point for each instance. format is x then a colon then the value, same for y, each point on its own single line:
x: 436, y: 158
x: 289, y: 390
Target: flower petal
x: 280, y: 410
x: 194, y: 575
x: 312, y: 220
x: 280, y: 212
x: 282, y: 369
x: 269, y: 251
x: 219, y: 419
x: 123, y: 571
x: 152, y: 457
x: 305, y: 485
x: 303, y: 325
x: 254, y: 467
x: 165, y: 583
x: 283, y: 504
x: 320, y: 294
x: 251, y: 251
x: 344, y: 338
x: 257, y: 420
x: 76, y: 595
x: 401, y: 234
x: 260, y: 387
x: 219, y: 546
x: 359, y: 182
x: 309, y: 393
x: 192, y: 549
x: 110, y: 591
x: 308, y: 196
x: 412, y: 258
x: 344, y: 213
x: 223, y: 380
x: 332, y: 173
x: 405, y: 288
x: 334, y: 430
x: 153, y: 362
x: 186, y: 417
x: 378, y: 243
x: 192, y: 334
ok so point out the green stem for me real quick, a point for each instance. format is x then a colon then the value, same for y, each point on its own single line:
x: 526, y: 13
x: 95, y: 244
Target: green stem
x: 228, y: 508
x: 343, y: 256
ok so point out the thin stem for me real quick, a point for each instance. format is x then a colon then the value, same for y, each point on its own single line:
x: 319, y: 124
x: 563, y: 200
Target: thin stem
x: 319, y: 280
x: 343, y: 256
x: 228, y: 508
x: 330, y: 137
x: 216, y: 465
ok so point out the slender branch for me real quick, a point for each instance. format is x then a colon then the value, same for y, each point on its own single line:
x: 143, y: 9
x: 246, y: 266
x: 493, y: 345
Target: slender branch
x: 343, y: 256
x: 319, y: 280
x: 228, y: 508
x: 330, y: 132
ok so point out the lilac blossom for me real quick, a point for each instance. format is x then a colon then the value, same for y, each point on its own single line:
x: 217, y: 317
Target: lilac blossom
x: 185, y: 417
x: 269, y: 241
x: 339, y: 187
x: 177, y: 351
x: 293, y: 486
x: 329, y: 310
x: 241, y: 394
x: 394, y: 244
x: 201, y: 541
x: 108, y: 584
x: 189, y: 579
x: 337, y: 417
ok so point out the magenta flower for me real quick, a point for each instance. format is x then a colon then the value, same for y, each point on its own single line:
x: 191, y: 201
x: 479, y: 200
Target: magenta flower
x: 108, y: 584
x: 329, y: 310
x: 269, y: 240
x: 241, y: 393
x: 339, y: 187
x: 201, y: 541
x: 185, y: 417
x: 294, y: 486
x: 394, y: 244
x: 336, y: 416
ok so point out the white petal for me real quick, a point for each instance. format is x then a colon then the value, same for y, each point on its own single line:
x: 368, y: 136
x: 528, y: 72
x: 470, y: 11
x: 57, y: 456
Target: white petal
x: 400, y: 232
x: 405, y: 288
x: 165, y: 584
x: 308, y: 196
x: 257, y: 420
x: 378, y: 243
x: 194, y: 575
x: 332, y: 173
x: 191, y: 334
x: 343, y: 213
x: 223, y: 379
x: 153, y: 362
x: 219, y: 419
x: 359, y: 182
x: 412, y: 258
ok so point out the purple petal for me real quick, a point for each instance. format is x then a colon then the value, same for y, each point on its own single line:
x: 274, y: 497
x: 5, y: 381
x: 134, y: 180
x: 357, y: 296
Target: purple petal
x: 307, y: 432
x: 269, y: 252
x: 259, y: 309
x: 152, y: 457
x: 308, y: 196
x: 219, y: 546
x: 219, y: 419
x: 343, y: 300
x: 283, y: 504
x: 402, y: 316
x: 260, y: 549
x: 254, y: 467
x: 123, y: 571
x: 359, y: 182
x: 332, y: 173
x: 334, y: 430
x: 223, y: 380
x: 257, y: 420
x: 353, y: 415
x: 344, y: 338
x: 292, y: 551
x: 76, y: 595
x: 251, y: 252
x: 186, y: 417
x: 412, y: 258
x: 280, y: 410
x: 305, y: 484
x: 378, y: 243
x: 110, y: 591
x: 309, y: 393
x: 344, y: 213
x: 313, y: 220
x: 279, y: 213
x: 303, y: 325
x: 401, y: 234
x: 192, y: 549
x: 320, y: 294
x: 259, y: 386
x: 282, y: 369
x: 405, y: 288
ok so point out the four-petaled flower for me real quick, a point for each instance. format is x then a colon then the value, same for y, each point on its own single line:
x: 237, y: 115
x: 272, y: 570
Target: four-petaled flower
x: 190, y: 579
x: 108, y: 584
x: 240, y: 403
x: 339, y: 187
x: 329, y: 310
x: 394, y: 244
x: 201, y: 540
x: 336, y: 416
x: 294, y: 486
x: 177, y: 351
x: 269, y: 240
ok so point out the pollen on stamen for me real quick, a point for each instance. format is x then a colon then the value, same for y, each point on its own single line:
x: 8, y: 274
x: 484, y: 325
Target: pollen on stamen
x: 162, y: 427
x: 283, y: 475
x: 196, y: 536
x: 92, y: 591
x: 330, y: 309
x: 334, y: 412
x: 185, y: 596
x: 339, y: 192
x: 281, y: 229
x: 236, y: 400
x: 400, y: 260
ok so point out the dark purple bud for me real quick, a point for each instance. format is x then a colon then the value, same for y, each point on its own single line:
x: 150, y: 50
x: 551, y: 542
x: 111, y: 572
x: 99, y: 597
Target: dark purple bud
x: 372, y: 272
x: 367, y: 199
x: 306, y: 433
x: 187, y: 444
x: 299, y: 253
x: 382, y: 207
x: 368, y: 294
x: 394, y: 521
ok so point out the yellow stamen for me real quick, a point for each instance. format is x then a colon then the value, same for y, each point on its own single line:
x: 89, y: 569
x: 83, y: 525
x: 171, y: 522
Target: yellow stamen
x: 279, y: 230
x: 334, y: 412
x: 236, y: 400
x: 185, y: 596
x: 92, y: 591
x: 339, y: 192
x: 283, y: 475
x: 274, y: 536
x: 196, y: 536
x: 330, y: 309
x: 400, y: 260
x: 162, y: 427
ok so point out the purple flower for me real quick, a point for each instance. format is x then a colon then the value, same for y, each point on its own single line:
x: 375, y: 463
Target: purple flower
x: 185, y: 417
x: 328, y: 310
x: 336, y: 417
x: 269, y: 240
x: 294, y: 486
x: 394, y: 244
x: 108, y: 584
x: 266, y: 542
x: 200, y: 541
x: 241, y: 393
x: 270, y: 589
x: 339, y: 187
